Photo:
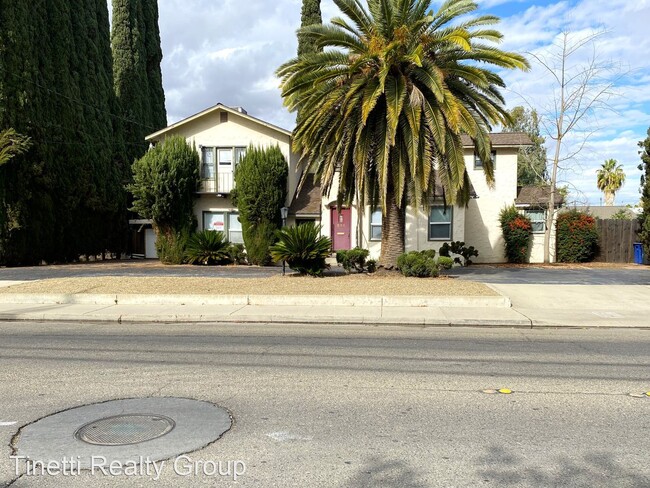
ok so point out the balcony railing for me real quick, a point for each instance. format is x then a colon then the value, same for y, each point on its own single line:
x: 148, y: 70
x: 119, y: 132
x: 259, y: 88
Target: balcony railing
x: 223, y: 183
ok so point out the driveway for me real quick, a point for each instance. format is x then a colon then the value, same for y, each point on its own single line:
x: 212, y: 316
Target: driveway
x: 625, y: 275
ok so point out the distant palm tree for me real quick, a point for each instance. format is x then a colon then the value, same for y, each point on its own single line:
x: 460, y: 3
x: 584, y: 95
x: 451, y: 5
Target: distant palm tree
x: 611, y: 178
x: 385, y: 100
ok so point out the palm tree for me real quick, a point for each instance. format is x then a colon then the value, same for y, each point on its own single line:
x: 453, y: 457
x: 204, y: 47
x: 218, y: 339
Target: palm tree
x: 610, y: 179
x: 385, y: 102
x: 12, y: 144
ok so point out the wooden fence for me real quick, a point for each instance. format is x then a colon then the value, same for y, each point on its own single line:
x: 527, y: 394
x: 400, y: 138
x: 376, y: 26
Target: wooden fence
x: 616, y: 240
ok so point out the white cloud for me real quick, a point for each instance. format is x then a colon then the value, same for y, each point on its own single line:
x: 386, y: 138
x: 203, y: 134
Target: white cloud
x: 228, y: 50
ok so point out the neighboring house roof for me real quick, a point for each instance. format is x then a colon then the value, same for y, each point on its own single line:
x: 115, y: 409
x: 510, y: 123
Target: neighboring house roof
x: 502, y: 139
x: 536, y: 196
x: 219, y: 106
x: 604, y: 212
x: 307, y: 202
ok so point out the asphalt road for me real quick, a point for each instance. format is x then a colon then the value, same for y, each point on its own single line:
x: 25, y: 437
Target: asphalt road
x: 628, y: 275
x: 356, y: 406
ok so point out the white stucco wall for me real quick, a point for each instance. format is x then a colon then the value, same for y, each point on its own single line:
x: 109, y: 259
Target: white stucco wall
x: 238, y: 131
x: 482, y: 229
x: 537, y: 244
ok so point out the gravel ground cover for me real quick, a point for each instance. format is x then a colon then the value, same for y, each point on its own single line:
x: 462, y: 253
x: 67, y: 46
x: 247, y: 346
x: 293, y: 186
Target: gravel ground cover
x: 276, y: 285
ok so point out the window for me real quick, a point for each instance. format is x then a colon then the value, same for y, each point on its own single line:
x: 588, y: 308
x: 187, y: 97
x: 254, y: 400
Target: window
x: 226, y: 222
x: 375, y: 225
x: 537, y: 219
x: 225, y: 157
x: 440, y: 219
x: 478, y: 164
x: 240, y: 152
x: 214, y: 221
x: 207, y: 163
x: 235, y: 234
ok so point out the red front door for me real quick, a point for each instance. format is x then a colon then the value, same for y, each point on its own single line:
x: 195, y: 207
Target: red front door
x: 341, y: 229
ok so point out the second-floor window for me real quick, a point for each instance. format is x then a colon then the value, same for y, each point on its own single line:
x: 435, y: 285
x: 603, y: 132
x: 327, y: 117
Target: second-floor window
x: 227, y: 159
x: 478, y: 163
x: 207, y: 163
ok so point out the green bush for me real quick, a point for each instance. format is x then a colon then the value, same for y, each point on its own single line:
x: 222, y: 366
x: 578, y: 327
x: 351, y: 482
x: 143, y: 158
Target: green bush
x: 260, y: 193
x: 371, y: 265
x: 171, y: 246
x: 207, y: 247
x: 165, y: 181
x: 577, y: 237
x: 303, y: 248
x: 418, y: 264
x: 259, y: 239
x: 458, y: 247
x: 353, y: 259
x: 445, y: 262
x: 237, y: 254
x: 516, y: 230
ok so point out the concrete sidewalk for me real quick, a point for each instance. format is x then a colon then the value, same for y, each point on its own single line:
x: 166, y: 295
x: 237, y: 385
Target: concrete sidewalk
x: 532, y: 306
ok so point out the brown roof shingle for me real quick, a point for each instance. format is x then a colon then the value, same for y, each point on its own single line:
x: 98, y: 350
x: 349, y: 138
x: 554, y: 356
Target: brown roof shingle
x: 536, y: 196
x: 502, y: 139
x: 308, y: 200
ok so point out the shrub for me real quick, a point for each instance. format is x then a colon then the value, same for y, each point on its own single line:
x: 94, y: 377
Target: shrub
x: 258, y: 241
x: 237, y: 254
x: 165, y: 181
x: 516, y: 230
x: 371, y: 265
x: 170, y: 247
x: 577, y: 237
x: 261, y: 179
x: 207, y: 247
x: 445, y: 262
x: 622, y: 214
x: 458, y: 247
x: 303, y: 248
x: 354, y: 259
x: 418, y: 264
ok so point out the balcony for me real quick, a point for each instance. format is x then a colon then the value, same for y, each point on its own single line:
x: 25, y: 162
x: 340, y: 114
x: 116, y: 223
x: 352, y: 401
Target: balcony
x: 223, y: 183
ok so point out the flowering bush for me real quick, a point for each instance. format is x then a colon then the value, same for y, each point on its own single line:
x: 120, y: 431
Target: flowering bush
x: 577, y: 237
x: 516, y: 230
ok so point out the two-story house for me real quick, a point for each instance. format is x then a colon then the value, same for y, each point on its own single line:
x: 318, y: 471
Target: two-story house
x: 221, y: 134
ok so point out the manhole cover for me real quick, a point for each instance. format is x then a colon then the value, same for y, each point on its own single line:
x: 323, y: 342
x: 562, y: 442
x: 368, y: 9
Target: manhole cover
x: 124, y: 430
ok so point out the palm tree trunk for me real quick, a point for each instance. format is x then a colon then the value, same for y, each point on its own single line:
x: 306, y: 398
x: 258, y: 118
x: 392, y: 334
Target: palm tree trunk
x: 392, y: 231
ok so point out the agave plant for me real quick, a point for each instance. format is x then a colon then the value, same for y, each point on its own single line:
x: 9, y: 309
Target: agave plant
x: 208, y: 247
x: 303, y: 248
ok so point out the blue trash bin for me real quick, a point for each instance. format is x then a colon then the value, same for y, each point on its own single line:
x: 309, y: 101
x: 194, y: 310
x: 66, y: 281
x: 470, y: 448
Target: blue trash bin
x: 638, y: 253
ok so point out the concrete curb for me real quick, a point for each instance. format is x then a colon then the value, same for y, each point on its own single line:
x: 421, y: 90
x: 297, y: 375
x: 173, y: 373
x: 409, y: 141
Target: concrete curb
x: 500, y: 301
x: 267, y: 319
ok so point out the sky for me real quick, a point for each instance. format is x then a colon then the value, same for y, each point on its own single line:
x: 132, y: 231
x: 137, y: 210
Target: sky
x: 228, y: 50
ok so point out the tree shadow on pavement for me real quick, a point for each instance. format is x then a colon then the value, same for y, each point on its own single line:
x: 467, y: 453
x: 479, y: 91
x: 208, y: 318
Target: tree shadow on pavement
x: 588, y: 470
x: 385, y: 474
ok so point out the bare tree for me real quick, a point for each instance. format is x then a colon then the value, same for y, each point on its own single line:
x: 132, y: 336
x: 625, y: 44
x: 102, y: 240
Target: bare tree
x: 583, y: 85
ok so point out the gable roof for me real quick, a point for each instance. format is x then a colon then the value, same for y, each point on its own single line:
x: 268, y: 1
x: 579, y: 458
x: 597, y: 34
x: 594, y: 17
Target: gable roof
x: 502, y: 139
x: 208, y: 111
x: 536, y: 196
x: 308, y: 200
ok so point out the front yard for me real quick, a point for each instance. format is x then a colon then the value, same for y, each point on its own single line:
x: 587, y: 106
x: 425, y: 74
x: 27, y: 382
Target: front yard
x: 361, y: 284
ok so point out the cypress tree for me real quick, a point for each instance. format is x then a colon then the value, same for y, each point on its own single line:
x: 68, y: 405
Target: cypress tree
x: 156, y: 105
x: 311, y: 14
x: 136, y: 66
x: 62, y: 198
